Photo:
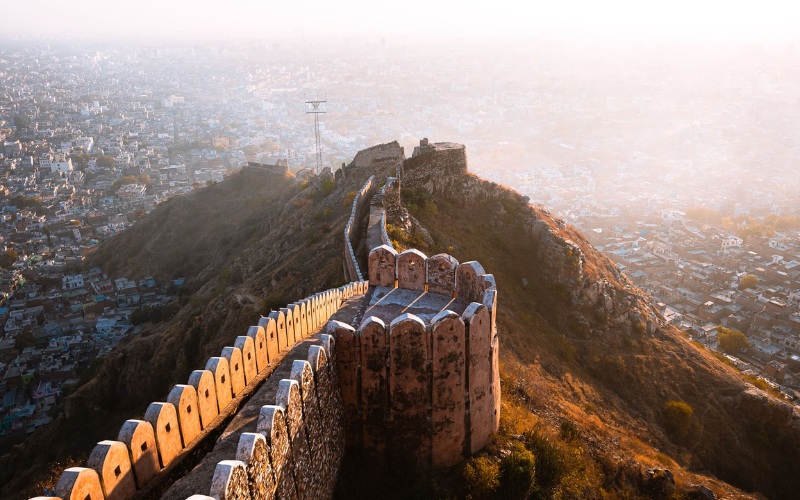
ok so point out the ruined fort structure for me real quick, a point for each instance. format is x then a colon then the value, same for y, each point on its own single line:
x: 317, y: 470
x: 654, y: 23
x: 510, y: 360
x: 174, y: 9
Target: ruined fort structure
x: 403, y: 366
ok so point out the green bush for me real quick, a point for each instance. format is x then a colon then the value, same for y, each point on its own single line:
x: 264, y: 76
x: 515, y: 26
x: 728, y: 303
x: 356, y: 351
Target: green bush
x: 569, y: 431
x: 481, y: 478
x: 328, y: 187
x: 551, y: 463
x: 273, y: 303
x: 677, y: 418
x: 732, y: 341
x: 517, y: 474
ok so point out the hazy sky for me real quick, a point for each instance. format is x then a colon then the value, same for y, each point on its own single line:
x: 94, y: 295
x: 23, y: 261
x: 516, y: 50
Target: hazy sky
x: 754, y: 20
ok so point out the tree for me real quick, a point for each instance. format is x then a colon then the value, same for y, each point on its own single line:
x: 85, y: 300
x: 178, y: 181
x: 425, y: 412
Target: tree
x: 20, y: 122
x: 128, y: 179
x: 7, y: 259
x: 105, y: 161
x: 732, y: 341
x: 749, y: 281
x: 23, y: 340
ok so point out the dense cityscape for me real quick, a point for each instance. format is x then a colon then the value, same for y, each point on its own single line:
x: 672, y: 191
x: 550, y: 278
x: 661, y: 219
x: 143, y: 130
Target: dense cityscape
x: 688, y: 184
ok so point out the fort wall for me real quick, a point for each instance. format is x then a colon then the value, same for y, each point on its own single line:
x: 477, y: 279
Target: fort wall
x: 352, y: 271
x: 296, y: 453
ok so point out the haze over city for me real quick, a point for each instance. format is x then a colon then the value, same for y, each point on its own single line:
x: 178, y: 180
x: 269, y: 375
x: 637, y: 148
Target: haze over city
x: 354, y: 250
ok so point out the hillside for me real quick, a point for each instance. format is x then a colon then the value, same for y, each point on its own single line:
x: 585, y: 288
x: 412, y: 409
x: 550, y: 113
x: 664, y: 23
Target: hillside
x: 587, y: 365
x: 250, y: 242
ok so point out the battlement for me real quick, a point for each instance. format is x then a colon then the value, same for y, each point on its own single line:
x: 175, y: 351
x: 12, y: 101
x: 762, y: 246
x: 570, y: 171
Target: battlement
x: 420, y: 374
x: 285, y: 455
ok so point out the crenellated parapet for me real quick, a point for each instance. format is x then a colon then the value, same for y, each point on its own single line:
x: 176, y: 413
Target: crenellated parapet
x: 352, y: 271
x: 420, y: 374
x: 300, y: 439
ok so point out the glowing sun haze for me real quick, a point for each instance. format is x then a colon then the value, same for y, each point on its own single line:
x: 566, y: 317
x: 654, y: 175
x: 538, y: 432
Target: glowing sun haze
x: 765, y: 20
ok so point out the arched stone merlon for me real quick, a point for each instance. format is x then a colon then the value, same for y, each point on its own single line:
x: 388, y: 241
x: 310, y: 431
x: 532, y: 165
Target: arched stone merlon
x: 411, y: 270
x: 184, y: 399
x: 79, y: 483
x: 331, y: 303
x: 314, y: 311
x: 230, y: 481
x: 272, y: 425
x: 164, y: 419
x: 490, y: 301
x: 374, y: 355
x: 140, y: 439
x: 290, y: 336
x: 326, y: 305
x: 495, y: 392
x: 203, y: 383
x: 305, y: 311
x: 45, y: 498
x: 441, y: 274
x: 280, y: 325
x: 449, y: 385
x: 259, y: 336
x: 200, y: 497
x: 469, y: 282
x: 489, y: 282
x: 246, y: 346
x: 111, y: 461
x: 300, y: 327
x: 270, y: 327
x: 382, y: 266
x: 222, y: 381
x: 315, y: 432
x: 479, y: 372
x: 329, y: 402
x: 253, y: 451
x: 290, y: 399
x: 236, y: 368
x: 409, y: 339
x: 347, y: 360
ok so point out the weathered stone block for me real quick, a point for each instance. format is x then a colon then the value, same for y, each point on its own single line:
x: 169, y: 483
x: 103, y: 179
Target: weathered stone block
x: 291, y: 339
x: 259, y: 336
x: 164, y: 419
x: 382, y: 262
x: 184, y: 399
x: 222, y: 381
x: 441, y: 272
x: 79, y: 483
x: 247, y: 348
x: 230, y: 481
x: 253, y: 451
x: 270, y: 327
x: 411, y: 270
x: 479, y: 333
x: 203, y: 383
x: 111, y: 461
x: 408, y: 388
x: 469, y: 282
x: 140, y: 439
x: 290, y: 400
x: 449, y: 385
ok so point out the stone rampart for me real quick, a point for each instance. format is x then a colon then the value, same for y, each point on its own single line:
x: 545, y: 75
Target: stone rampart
x: 300, y: 440
x: 420, y: 374
x: 352, y: 271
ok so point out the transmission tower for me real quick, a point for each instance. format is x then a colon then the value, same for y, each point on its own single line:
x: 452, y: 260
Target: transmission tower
x: 317, y: 108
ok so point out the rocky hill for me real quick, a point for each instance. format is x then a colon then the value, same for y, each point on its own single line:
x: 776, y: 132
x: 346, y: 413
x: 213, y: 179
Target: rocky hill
x: 595, y: 384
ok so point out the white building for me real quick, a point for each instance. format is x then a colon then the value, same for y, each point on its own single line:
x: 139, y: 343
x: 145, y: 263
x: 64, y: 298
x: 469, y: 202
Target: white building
x: 56, y: 163
x: 72, y: 282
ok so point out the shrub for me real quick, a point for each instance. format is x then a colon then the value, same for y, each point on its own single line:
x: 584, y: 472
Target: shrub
x: 349, y: 197
x: 551, y: 462
x: 677, y: 418
x: 749, y: 281
x: 273, y: 303
x: 569, y: 431
x: 517, y: 474
x: 328, y: 187
x: 481, y: 477
x: 664, y: 460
